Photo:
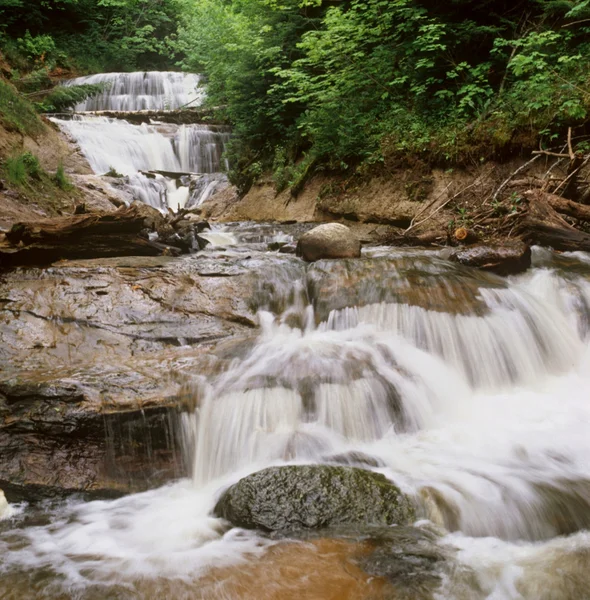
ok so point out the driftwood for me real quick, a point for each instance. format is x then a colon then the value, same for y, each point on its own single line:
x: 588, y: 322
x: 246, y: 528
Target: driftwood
x: 568, y: 207
x: 464, y: 236
x: 543, y: 225
x: 83, y: 236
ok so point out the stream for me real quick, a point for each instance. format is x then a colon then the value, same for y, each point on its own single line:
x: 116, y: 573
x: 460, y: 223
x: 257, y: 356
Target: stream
x: 468, y: 390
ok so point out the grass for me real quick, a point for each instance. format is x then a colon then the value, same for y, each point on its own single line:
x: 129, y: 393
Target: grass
x: 16, y: 113
x: 61, y: 179
x: 20, y: 169
x: 53, y: 192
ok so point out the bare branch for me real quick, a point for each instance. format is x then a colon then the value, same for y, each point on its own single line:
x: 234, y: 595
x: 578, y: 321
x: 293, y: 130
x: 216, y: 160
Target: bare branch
x: 514, y: 174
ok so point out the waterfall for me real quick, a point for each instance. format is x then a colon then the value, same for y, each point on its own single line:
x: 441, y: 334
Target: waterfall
x: 401, y: 383
x: 119, y: 147
x: 154, y: 90
x: 469, y: 391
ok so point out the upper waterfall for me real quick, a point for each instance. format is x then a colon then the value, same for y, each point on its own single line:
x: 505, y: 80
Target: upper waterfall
x: 191, y: 155
x: 151, y: 90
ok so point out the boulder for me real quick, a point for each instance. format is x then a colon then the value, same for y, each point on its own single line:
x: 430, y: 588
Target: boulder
x: 504, y: 259
x: 313, y: 496
x: 331, y: 240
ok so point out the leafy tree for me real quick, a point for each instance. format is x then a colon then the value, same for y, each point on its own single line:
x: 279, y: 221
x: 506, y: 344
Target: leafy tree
x: 358, y: 81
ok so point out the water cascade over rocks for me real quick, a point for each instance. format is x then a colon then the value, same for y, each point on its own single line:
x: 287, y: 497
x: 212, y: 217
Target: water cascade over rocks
x: 153, y: 90
x: 467, y: 390
x: 165, y: 165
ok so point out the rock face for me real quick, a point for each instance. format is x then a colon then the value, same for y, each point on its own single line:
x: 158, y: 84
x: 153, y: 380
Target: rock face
x: 94, y: 356
x: 313, y: 497
x: 331, y: 240
x: 505, y: 259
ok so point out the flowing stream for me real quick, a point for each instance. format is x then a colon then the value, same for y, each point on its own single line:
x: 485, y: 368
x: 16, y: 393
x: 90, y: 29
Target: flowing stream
x: 165, y: 165
x: 469, y: 391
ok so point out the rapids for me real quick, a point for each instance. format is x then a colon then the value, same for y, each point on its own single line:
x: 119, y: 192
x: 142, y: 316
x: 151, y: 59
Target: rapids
x: 470, y: 392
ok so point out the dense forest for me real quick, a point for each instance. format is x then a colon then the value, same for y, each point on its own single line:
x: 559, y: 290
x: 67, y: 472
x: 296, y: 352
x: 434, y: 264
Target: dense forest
x: 342, y: 85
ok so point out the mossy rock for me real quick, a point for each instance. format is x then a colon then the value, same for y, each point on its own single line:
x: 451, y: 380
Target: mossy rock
x: 313, y: 497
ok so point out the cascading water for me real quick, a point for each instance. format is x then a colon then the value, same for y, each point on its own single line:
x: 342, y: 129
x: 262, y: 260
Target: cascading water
x: 469, y: 391
x: 115, y: 146
x: 154, y: 90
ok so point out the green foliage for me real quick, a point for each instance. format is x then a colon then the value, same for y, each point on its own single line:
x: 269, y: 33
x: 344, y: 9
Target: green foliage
x: 63, y: 98
x: 373, y: 81
x: 112, y: 172
x: 22, y: 168
x: 15, y: 170
x: 16, y: 113
x: 89, y: 35
x: 61, y: 179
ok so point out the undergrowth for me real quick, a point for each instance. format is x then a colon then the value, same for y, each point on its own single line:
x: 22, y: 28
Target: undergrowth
x: 21, y: 169
x: 16, y: 113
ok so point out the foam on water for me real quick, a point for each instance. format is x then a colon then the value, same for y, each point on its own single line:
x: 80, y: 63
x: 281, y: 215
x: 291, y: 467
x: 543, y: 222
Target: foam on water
x: 481, y: 418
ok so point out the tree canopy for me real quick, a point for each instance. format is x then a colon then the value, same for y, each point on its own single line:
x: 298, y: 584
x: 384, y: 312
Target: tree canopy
x: 340, y: 84
x: 360, y: 81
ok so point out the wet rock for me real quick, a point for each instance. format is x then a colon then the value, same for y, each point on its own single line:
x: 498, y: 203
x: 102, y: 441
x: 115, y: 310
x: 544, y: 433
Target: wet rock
x: 331, y: 240
x: 201, y: 226
x: 201, y: 242
x: 288, y: 249
x: 85, y: 339
x: 505, y: 259
x: 359, y: 459
x: 409, y: 557
x: 276, y: 246
x: 418, y: 280
x: 313, y: 497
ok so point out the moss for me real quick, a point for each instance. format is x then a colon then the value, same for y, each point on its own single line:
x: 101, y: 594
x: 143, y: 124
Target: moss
x: 313, y: 497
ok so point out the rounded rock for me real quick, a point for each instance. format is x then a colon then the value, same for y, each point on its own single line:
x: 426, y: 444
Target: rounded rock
x: 313, y: 497
x: 331, y: 240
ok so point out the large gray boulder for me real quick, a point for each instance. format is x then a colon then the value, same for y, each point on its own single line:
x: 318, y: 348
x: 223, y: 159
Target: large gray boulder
x: 312, y: 497
x: 331, y: 240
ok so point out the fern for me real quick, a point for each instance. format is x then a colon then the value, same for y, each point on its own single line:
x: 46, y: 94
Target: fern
x: 63, y: 98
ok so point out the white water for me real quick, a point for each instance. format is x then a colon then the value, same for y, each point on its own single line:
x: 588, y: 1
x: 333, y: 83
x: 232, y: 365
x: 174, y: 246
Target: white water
x: 116, y: 145
x: 482, y: 419
x: 6, y: 511
x: 119, y: 145
x: 153, y: 90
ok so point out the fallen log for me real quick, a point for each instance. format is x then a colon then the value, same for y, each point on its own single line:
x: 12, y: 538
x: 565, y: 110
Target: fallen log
x: 567, y: 207
x: 544, y: 226
x: 96, y: 235
x: 123, y: 221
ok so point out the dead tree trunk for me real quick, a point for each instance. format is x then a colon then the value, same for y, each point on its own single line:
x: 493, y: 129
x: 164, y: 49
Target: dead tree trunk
x: 543, y: 225
x: 82, y: 236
